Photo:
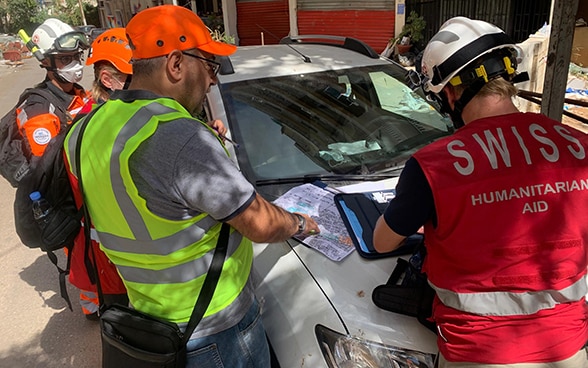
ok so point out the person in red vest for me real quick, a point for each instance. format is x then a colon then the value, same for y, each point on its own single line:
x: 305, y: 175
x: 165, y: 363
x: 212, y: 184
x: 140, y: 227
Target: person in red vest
x: 504, y: 204
x: 111, y: 55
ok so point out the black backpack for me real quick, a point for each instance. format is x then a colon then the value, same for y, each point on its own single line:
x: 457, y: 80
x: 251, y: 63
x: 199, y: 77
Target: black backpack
x: 15, y: 151
x: 46, y: 174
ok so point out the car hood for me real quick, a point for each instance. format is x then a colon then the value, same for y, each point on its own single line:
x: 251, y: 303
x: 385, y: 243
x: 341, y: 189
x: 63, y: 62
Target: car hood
x: 349, y: 285
x: 254, y: 62
x: 301, y: 288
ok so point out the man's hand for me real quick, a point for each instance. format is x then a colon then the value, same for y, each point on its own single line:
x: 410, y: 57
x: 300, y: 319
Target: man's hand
x: 219, y: 126
x: 264, y: 222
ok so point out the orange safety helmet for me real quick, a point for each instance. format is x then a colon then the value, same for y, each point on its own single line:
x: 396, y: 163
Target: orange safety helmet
x: 113, y: 46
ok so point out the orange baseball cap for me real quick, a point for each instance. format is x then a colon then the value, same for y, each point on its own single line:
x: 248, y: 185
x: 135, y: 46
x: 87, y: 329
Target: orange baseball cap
x: 159, y: 30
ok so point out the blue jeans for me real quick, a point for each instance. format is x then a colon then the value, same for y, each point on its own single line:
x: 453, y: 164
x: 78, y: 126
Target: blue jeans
x: 243, y: 345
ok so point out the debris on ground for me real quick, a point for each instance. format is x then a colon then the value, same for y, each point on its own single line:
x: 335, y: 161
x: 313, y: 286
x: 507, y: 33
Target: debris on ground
x: 12, y: 48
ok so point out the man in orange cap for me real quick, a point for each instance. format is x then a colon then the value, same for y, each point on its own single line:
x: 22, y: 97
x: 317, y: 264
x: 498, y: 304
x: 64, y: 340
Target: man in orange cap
x: 159, y: 183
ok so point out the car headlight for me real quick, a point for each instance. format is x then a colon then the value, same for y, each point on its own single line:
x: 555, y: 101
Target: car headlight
x: 342, y: 351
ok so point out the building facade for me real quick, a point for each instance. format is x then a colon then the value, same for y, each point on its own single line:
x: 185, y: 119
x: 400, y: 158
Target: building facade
x: 256, y: 22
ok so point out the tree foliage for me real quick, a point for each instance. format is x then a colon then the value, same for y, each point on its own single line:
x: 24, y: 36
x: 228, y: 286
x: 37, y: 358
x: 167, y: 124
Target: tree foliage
x: 17, y: 14
x: 92, y: 15
x: 28, y: 14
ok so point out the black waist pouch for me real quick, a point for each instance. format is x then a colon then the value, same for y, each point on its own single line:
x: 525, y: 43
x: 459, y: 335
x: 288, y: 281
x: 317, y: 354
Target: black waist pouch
x: 133, y: 339
x: 407, y: 290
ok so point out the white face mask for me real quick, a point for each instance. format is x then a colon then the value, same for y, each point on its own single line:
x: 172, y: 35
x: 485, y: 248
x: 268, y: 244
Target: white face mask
x: 72, y: 72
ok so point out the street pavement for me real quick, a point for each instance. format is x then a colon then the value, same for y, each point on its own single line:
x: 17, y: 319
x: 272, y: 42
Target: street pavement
x: 37, y: 329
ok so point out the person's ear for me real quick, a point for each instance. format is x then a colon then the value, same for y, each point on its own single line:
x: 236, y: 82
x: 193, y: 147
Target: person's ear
x: 451, y: 95
x: 175, y: 65
x: 105, y: 78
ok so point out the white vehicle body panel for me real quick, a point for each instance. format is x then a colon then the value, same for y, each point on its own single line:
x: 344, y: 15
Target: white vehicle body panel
x: 300, y: 288
x: 294, y: 305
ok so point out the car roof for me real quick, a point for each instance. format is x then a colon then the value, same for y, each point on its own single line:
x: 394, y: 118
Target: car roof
x: 254, y: 62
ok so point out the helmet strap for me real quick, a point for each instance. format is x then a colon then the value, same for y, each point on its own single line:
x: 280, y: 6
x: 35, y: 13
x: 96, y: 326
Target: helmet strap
x: 461, y: 103
x: 110, y: 90
x: 446, y: 108
x: 127, y: 82
x: 53, y: 68
x: 106, y: 89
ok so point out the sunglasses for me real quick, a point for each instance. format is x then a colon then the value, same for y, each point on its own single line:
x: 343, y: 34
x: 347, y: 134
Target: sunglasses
x: 213, y: 66
x: 72, y: 41
x: 67, y: 59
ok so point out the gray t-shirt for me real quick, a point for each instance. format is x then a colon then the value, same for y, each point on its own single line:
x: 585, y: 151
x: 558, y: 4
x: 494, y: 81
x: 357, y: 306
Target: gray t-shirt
x: 181, y: 171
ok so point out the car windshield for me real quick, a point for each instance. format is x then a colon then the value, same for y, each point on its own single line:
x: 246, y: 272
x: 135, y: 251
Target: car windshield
x: 355, y: 121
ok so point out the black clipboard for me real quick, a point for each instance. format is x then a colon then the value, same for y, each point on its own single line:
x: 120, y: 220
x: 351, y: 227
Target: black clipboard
x: 360, y: 212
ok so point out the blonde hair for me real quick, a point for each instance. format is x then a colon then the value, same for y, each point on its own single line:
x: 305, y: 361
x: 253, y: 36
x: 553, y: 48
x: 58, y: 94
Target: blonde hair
x: 497, y: 86
x: 99, y: 92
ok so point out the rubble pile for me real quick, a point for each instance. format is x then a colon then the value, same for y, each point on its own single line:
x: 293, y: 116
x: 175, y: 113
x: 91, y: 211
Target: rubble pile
x: 12, y: 49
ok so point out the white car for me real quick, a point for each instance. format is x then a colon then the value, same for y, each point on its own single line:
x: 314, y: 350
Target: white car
x: 291, y: 108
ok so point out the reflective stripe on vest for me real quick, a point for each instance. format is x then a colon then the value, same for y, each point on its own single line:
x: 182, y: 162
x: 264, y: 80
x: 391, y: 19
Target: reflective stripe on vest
x: 509, y: 303
x: 22, y: 117
x: 181, y: 273
x: 160, y: 246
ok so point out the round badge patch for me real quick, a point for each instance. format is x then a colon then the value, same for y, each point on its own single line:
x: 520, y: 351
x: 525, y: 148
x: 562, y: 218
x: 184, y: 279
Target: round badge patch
x: 41, y: 136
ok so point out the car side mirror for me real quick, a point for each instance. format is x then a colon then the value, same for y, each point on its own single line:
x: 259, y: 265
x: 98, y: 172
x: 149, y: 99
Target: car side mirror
x: 413, y: 79
x: 226, y: 65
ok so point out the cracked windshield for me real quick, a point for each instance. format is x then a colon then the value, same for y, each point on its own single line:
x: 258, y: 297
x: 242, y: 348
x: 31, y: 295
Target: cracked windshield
x: 353, y: 121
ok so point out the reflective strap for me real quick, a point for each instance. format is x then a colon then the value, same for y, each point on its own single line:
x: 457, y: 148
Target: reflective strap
x: 22, y: 116
x: 94, y: 235
x: 162, y: 246
x: 131, y: 213
x: 180, y: 273
x: 89, y: 301
x: 501, y: 303
x: 71, y: 147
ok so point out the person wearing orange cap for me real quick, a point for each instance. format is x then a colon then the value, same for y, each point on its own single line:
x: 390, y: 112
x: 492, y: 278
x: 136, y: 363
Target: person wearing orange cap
x: 159, y: 183
x: 111, y: 55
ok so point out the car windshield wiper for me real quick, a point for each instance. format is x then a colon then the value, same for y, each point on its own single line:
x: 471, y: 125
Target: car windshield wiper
x: 326, y: 177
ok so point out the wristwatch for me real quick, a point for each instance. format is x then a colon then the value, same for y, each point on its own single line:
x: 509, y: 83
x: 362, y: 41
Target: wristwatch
x: 301, y: 223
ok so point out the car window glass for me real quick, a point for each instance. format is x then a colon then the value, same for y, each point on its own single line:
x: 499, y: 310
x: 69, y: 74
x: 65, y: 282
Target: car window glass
x: 398, y: 98
x: 352, y: 121
x: 271, y: 148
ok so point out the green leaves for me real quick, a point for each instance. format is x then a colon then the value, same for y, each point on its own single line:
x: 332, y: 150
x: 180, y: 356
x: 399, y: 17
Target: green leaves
x: 17, y: 14
x: 414, y: 27
x: 28, y: 14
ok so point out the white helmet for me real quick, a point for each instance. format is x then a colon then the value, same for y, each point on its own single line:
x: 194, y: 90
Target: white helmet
x: 55, y: 36
x: 460, y: 41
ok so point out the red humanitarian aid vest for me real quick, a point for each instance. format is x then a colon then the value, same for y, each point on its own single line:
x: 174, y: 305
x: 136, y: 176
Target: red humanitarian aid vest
x: 508, y: 255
